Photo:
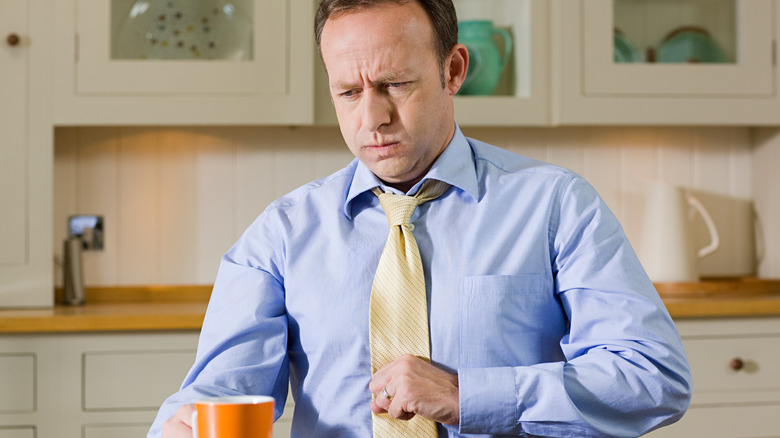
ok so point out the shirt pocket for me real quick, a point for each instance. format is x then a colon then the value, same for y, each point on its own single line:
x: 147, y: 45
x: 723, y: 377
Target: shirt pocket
x: 509, y: 320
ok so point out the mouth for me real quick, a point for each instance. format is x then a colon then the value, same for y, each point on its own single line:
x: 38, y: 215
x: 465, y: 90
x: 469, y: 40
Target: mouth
x: 383, y: 147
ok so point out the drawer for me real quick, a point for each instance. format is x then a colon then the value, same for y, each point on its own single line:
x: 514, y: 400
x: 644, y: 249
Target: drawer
x: 725, y: 422
x: 711, y: 361
x: 17, y: 432
x: 116, y: 430
x: 132, y: 380
x: 17, y: 380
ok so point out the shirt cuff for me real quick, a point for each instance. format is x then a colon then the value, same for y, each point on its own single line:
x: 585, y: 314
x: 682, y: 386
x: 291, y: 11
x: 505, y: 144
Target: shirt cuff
x: 488, y: 401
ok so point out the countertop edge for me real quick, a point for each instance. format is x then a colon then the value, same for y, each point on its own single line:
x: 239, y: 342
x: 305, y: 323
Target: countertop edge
x: 168, y: 308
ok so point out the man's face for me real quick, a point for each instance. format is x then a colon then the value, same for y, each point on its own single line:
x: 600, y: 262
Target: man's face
x: 385, y: 81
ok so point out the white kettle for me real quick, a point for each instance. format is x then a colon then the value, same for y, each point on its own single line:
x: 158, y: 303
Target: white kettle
x: 667, y: 251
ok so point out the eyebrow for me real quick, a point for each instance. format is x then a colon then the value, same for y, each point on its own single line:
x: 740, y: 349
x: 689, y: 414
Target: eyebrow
x: 387, y: 78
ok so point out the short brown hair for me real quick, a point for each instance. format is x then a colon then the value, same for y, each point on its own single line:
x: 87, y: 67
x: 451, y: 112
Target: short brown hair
x: 441, y: 13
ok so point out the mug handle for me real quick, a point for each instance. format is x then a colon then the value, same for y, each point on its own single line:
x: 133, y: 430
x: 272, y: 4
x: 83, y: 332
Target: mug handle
x: 715, y: 240
x: 194, y: 424
x: 507, y: 45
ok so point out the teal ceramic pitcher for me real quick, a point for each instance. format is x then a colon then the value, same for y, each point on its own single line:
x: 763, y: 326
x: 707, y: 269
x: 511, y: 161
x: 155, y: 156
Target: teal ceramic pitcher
x: 486, y: 63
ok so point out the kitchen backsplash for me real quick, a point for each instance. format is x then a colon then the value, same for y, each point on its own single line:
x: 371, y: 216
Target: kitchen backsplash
x: 175, y: 199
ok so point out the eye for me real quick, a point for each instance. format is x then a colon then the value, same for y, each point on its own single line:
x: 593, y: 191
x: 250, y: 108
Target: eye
x: 349, y: 94
x: 396, y: 84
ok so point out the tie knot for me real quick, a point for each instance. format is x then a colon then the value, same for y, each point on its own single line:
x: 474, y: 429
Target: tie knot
x: 400, y: 208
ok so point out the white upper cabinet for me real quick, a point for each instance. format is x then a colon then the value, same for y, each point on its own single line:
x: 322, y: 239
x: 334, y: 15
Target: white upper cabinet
x: 533, y: 63
x: 13, y: 145
x: 25, y: 154
x: 668, y: 62
x: 185, y: 62
x: 508, y: 78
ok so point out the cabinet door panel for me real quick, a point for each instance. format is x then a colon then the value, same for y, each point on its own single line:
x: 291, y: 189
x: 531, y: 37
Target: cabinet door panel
x: 108, y: 75
x: 20, y: 432
x: 25, y: 154
x: 711, y: 360
x: 265, y: 72
x: 600, y: 85
x: 725, y: 422
x: 751, y: 75
x: 13, y: 140
x: 132, y: 380
x: 17, y: 380
x: 116, y: 431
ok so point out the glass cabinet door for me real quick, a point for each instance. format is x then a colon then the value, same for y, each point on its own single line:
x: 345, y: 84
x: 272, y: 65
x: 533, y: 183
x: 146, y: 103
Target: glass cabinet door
x: 181, y: 46
x: 184, y: 62
x: 507, y: 81
x: 678, y: 47
x: 182, y: 29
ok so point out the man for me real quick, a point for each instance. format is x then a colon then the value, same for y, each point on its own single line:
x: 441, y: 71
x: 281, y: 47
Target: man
x: 541, y: 319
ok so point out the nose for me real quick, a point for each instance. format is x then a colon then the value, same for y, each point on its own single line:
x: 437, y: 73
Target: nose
x: 377, y: 110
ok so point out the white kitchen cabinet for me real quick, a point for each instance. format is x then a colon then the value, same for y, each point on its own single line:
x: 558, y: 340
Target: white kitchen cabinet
x: 26, y: 145
x: 95, y: 385
x: 604, y: 81
x: 113, y: 384
x: 28, y: 378
x: 522, y: 97
x: 736, y: 379
x: 128, y: 62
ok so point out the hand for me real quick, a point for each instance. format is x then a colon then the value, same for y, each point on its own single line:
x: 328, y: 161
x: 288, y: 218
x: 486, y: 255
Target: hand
x: 416, y: 388
x: 180, y: 425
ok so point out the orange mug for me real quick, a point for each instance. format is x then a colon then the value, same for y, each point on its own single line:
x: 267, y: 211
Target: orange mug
x: 245, y: 416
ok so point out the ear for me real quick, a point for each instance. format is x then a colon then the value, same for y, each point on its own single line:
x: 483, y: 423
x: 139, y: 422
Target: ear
x: 456, y: 67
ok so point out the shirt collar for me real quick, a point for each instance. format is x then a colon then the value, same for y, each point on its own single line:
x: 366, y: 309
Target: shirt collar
x: 455, y: 166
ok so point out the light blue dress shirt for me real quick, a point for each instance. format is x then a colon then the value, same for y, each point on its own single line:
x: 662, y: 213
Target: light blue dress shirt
x: 535, y: 299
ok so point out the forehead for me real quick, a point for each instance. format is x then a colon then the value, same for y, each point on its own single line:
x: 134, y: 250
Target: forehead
x: 387, y: 33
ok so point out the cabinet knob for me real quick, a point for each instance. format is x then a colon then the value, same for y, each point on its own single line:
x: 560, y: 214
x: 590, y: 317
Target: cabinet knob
x: 12, y: 39
x: 736, y: 364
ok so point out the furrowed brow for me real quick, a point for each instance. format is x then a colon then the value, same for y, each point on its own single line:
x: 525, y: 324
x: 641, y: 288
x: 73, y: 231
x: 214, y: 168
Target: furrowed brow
x: 389, y: 77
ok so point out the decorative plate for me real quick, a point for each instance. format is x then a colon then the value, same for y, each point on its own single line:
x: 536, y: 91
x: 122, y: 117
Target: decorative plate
x: 625, y: 51
x: 181, y: 29
x: 690, y: 44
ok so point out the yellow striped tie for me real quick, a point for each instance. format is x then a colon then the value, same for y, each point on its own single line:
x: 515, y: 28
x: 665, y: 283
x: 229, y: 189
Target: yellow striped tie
x: 398, y: 322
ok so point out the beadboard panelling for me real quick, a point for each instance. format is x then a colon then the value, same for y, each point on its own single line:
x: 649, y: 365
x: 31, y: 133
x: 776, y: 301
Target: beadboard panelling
x: 175, y: 199
x: 178, y: 194
x: 137, y: 219
x: 766, y: 163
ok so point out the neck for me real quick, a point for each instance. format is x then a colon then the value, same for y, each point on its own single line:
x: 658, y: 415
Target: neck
x: 405, y: 186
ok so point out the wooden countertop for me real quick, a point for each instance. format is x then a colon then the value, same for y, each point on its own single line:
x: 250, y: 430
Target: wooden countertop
x: 740, y: 297
x: 116, y: 309
x: 155, y: 308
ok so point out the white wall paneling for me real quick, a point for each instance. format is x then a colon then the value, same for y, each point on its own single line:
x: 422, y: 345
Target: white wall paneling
x: 175, y: 199
x: 766, y: 158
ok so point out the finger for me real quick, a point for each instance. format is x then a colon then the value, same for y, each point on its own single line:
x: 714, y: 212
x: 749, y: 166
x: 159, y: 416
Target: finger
x: 383, y: 399
x: 396, y: 410
x: 185, y: 414
x: 176, y: 430
x: 375, y: 408
x: 179, y: 426
x: 379, y: 380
